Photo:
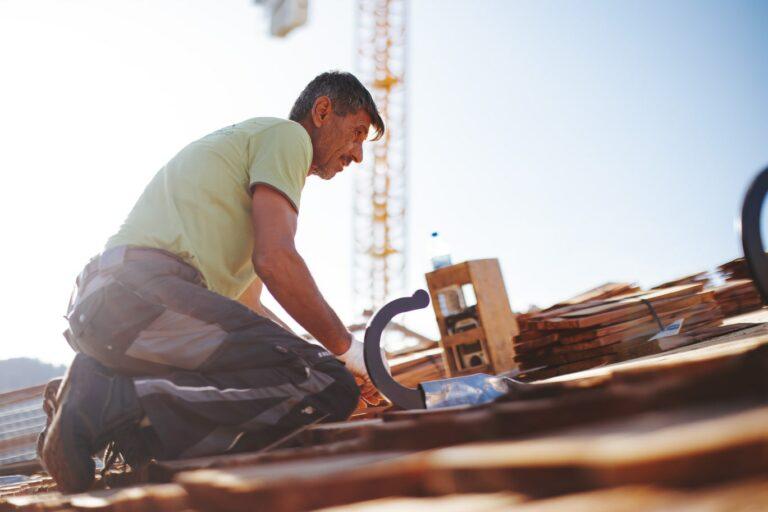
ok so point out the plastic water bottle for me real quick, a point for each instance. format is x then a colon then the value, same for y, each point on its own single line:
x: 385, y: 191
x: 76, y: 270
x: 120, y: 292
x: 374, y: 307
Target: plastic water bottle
x: 441, y: 254
x: 450, y: 298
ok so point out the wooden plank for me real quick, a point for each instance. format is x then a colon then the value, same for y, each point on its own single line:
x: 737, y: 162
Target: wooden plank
x: 17, y: 441
x: 601, y: 292
x: 699, y: 277
x: 652, y: 297
x: 685, y: 447
x: 464, y: 337
x: 742, y: 495
x: 722, y: 347
x: 758, y: 316
x: 165, y: 470
x: 564, y: 369
x: 735, y: 269
x: 704, y: 333
x: 529, y: 336
x: 561, y: 358
x: 404, y: 362
x: 431, y: 431
x: 648, y: 328
x: 686, y: 310
x: 533, y: 345
x: 692, y: 446
x: 624, y: 313
x: 302, y: 486
x: 324, y: 433
x: 50, y: 500
x: 149, y: 498
x: 495, y: 313
x: 492, y: 502
x: 629, y: 498
x: 21, y: 395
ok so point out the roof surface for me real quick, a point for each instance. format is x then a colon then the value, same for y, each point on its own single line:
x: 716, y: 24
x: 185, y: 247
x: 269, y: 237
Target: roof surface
x: 679, y: 430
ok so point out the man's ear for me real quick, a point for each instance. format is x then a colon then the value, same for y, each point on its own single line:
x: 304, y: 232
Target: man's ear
x: 321, y: 111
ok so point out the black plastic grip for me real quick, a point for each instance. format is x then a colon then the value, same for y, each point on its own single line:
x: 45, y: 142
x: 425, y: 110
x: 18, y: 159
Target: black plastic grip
x: 407, y: 398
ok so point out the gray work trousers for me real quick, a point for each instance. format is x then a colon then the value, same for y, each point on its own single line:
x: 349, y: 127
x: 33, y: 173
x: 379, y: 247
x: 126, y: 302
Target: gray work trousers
x: 211, y: 375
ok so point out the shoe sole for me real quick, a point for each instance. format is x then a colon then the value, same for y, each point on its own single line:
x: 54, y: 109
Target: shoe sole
x: 50, y: 404
x: 55, y: 458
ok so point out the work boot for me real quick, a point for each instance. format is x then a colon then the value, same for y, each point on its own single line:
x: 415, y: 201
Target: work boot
x: 93, y: 404
x: 49, y: 407
x: 130, y: 442
x: 133, y: 444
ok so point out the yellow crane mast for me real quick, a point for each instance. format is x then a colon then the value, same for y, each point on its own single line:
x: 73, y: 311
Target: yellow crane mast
x: 380, y: 228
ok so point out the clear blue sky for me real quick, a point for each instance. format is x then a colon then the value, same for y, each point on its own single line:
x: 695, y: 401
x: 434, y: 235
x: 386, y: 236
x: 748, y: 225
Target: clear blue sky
x: 578, y: 142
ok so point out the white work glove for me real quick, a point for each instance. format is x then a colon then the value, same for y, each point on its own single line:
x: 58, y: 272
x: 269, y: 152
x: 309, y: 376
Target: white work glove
x: 354, y: 360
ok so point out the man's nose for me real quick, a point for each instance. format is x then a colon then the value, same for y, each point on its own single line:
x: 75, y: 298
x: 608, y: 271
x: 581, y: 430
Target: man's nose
x: 357, y: 153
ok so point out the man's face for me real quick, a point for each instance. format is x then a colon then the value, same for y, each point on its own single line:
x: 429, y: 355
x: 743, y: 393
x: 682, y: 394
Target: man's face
x: 337, y: 141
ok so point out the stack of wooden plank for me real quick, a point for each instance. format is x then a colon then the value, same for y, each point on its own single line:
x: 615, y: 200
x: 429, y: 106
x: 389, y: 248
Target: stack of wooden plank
x: 700, y: 277
x: 738, y: 296
x: 735, y: 269
x: 602, y: 292
x: 593, y: 333
x: 416, y: 367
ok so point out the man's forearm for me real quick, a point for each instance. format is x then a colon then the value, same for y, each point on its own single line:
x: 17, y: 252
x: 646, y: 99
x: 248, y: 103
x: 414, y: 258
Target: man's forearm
x: 288, y: 279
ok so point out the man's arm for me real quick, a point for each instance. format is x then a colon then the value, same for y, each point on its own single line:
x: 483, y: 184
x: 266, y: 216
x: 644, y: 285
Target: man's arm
x: 285, y: 273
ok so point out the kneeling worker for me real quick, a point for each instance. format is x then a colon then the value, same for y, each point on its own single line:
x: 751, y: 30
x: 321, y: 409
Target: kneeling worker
x: 169, y: 365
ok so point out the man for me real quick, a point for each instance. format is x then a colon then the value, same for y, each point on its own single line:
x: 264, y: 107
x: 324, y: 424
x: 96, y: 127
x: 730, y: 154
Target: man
x: 168, y: 364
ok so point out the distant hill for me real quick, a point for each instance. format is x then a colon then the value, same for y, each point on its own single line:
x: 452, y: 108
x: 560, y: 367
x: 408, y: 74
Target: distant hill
x: 23, y: 372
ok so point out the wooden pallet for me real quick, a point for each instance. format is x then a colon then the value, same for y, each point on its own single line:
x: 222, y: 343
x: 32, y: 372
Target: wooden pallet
x: 496, y: 322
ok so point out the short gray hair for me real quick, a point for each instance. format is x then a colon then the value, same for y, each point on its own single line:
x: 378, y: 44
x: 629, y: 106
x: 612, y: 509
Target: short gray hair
x: 347, y: 96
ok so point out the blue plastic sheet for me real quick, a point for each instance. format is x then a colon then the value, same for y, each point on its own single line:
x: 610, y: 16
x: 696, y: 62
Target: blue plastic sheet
x: 470, y: 390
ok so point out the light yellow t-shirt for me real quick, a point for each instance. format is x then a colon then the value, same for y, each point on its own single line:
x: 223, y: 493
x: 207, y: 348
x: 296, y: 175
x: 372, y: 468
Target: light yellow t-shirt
x: 199, y: 205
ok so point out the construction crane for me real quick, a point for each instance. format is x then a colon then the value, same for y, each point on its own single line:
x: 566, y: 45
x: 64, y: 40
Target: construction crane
x: 380, y: 202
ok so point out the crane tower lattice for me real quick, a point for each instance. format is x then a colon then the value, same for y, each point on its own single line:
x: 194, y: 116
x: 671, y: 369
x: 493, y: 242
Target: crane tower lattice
x: 380, y: 235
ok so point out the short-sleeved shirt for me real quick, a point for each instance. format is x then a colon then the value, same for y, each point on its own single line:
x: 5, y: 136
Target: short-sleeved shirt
x: 199, y: 205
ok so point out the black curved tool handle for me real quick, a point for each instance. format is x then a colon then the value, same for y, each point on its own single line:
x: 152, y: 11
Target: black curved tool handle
x: 407, y: 398
x: 751, y: 239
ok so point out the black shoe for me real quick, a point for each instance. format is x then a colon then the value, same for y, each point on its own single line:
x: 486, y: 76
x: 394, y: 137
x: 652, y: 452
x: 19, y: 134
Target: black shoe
x: 94, y: 403
x: 49, y: 407
x: 133, y: 445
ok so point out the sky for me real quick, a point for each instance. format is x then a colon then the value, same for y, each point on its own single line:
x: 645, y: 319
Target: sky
x: 577, y: 142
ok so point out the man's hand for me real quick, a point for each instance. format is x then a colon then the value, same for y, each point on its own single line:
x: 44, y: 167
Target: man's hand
x: 355, y: 361
x: 368, y: 392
